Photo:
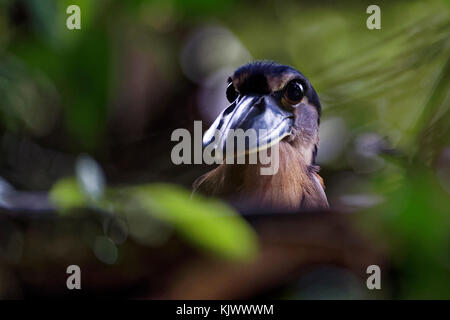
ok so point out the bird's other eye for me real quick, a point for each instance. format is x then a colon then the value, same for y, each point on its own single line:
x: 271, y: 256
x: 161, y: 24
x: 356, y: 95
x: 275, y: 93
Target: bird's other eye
x: 232, y: 94
x: 293, y: 92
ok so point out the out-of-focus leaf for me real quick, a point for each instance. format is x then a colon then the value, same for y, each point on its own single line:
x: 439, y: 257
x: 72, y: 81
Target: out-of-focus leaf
x: 90, y: 177
x: 28, y: 99
x: 66, y: 194
x: 206, y: 223
x: 414, y: 223
x: 105, y: 250
x: 87, y: 72
x: 43, y: 18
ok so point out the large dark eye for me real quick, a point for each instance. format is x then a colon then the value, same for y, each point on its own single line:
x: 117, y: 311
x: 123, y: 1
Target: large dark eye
x: 293, y: 92
x: 231, y: 93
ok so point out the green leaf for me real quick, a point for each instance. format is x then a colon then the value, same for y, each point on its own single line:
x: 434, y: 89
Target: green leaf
x: 209, y: 224
x: 66, y: 194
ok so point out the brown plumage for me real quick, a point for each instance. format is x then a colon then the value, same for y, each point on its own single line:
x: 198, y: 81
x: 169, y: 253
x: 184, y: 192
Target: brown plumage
x: 279, y: 101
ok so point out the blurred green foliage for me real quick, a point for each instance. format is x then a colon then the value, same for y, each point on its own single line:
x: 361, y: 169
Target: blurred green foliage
x: 207, y: 224
x: 393, y: 82
x: 66, y: 194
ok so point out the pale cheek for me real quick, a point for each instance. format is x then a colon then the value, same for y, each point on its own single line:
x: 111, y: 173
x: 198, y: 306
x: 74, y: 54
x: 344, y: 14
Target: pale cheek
x: 304, y: 143
x: 307, y: 153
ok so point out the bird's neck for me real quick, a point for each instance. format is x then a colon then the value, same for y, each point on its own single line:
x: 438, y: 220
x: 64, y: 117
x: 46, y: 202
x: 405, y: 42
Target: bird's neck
x: 295, y: 184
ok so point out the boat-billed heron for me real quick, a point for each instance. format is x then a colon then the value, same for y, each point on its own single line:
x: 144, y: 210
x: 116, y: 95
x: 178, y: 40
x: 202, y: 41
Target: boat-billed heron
x: 281, y: 101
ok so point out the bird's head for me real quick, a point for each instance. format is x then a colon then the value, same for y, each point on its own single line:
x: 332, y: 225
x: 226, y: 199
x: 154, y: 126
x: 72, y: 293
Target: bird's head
x: 274, y: 99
